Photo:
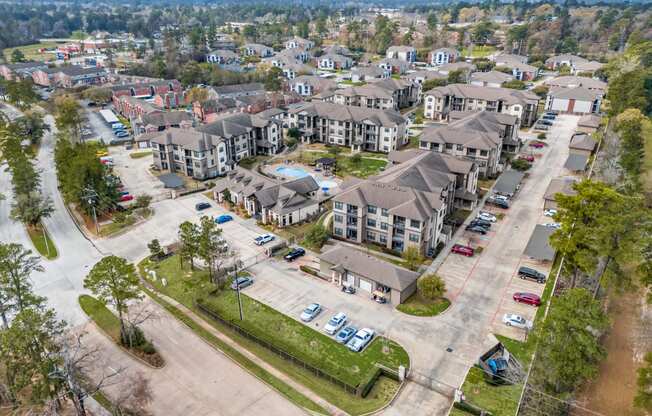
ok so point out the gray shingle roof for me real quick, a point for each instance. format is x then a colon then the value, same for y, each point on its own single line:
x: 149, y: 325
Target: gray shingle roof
x: 576, y: 162
x: 582, y: 141
x: 571, y: 81
x: 577, y: 93
x: 508, y: 182
x: 165, y: 118
x: 240, y: 88
x: 560, y: 186
x: 469, y: 137
x: 370, y: 267
x: 538, y: 247
x: 492, y: 77
x: 507, y: 95
x: 340, y: 112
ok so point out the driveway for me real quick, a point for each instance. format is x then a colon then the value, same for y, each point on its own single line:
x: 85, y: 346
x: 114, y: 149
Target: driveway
x: 135, y: 174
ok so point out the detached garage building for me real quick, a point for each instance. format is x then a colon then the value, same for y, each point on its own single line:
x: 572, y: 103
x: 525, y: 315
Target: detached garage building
x: 346, y: 266
x: 579, y: 100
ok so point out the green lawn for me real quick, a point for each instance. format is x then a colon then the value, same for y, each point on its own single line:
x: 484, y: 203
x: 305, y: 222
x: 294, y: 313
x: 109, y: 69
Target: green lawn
x: 101, y: 315
x: 499, y: 400
x: 31, y: 51
x: 479, y: 51
x: 418, y: 306
x: 139, y: 155
x: 369, y: 163
x: 250, y: 162
x: 42, y: 242
x: 291, y: 336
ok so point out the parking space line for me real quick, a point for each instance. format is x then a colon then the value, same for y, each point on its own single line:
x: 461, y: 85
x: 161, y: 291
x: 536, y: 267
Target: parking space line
x: 502, y: 297
x: 468, y: 276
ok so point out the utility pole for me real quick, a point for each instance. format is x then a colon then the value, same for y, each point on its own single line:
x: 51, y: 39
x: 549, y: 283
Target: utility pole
x: 237, y: 288
x: 91, y: 197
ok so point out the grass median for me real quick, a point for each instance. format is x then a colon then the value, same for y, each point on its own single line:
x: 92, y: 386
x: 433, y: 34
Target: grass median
x: 291, y: 336
x: 42, y: 242
x: 417, y: 305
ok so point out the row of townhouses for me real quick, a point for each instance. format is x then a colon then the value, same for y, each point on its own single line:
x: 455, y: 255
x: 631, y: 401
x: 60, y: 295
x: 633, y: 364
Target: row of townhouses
x: 385, y: 94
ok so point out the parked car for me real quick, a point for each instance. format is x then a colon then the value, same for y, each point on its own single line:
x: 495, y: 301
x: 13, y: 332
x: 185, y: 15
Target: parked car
x: 537, y: 145
x: 200, y: 206
x: 487, y: 216
x: 223, y: 218
x: 500, y: 197
x: 550, y: 212
x: 263, y: 239
x: 101, y: 153
x: 348, y: 289
x: 550, y: 117
x: 242, y: 282
x: 541, y: 126
x: 476, y: 229
x: 463, y: 250
x: 498, y: 202
x: 516, y: 321
x: 125, y: 198
x: 361, y: 339
x: 295, y: 253
x: 121, y: 134
x: 310, y: 312
x: 546, y: 122
x: 554, y: 225
x: 530, y: 273
x: 479, y: 221
x: 345, y: 334
x: 527, y: 158
x: 335, y: 323
x: 117, y: 126
x: 527, y: 298
x: 552, y: 112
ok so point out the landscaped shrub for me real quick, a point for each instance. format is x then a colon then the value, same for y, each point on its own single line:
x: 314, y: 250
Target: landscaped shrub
x: 521, y: 165
x: 309, y: 270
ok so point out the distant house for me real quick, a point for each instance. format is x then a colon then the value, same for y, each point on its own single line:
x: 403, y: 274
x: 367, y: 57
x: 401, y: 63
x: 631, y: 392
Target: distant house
x: 386, y: 94
x: 270, y: 201
x: 465, y: 67
x: 309, y: 85
x: 402, y: 53
x: 570, y: 60
x: 337, y: 49
x: 394, y: 66
x: 572, y: 81
x: 20, y: 70
x: 333, y: 61
x: 519, y: 66
x: 256, y: 49
x: 69, y: 76
x: 146, y: 88
x: 222, y: 57
x: 492, y: 79
x: 443, y: 56
x: 238, y: 90
x: 298, y: 42
x: 367, y: 73
x: 422, y: 76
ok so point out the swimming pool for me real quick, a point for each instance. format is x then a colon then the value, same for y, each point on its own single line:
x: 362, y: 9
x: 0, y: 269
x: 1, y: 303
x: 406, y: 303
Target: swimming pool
x: 293, y: 172
x: 296, y: 172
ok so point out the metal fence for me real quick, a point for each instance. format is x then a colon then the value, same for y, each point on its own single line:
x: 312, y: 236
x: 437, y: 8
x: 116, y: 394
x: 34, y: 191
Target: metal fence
x: 345, y: 386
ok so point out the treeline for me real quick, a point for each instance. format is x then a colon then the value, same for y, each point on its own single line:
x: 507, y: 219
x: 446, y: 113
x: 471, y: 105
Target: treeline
x: 605, y: 240
x: 18, y: 139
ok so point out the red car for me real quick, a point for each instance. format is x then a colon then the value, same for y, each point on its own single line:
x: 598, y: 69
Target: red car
x: 537, y: 145
x: 124, y: 198
x: 528, y: 158
x: 527, y: 298
x: 463, y: 250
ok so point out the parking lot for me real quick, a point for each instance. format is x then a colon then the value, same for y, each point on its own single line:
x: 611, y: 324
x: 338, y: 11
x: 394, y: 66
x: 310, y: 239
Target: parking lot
x: 135, y: 173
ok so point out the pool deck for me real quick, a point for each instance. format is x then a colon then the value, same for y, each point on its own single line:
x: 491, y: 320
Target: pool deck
x: 295, y: 171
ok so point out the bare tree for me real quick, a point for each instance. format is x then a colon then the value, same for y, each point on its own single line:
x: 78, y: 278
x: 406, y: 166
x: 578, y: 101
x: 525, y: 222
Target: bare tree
x: 136, y: 315
x: 225, y: 260
x: 135, y: 396
x: 77, y: 360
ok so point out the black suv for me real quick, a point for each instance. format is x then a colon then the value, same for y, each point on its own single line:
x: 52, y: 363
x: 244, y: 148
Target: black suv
x: 295, y: 253
x: 200, y: 206
x: 528, y: 273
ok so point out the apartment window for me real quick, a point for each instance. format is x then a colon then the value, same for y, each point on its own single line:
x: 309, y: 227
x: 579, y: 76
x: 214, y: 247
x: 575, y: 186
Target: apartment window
x: 449, y: 146
x: 460, y: 147
x: 339, y: 205
x: 338, y: 231
x: 175, y: 147
x: 371, y: 236
x: 371, y: 223
x: 386, y: 148
x: 483, y: 153
x: 414, y: 238
x: 384, y: 212
x: 339, y: 218
x: 383, y: 226
x: 415, y: 223
x: 386, y: 130
x: 372, y: 209
x: 196, y: 154
x: 383, y: 239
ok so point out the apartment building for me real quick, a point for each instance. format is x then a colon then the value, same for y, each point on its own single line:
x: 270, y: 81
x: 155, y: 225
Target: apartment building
x: 369, y: 73
x: 256, y: 49
x: 402, y: 53
x: 394, y: 66
x: 506, y: 125
x: 20, y: 69
x: 443, y: 56
x: 69, y: 76
x: 333, y: 61
x: 403, y: 207
x: 440, y: 101
x: 386, y: 94
x: 493, y: 79
x: 298, y: 42
x: 309, y: 85
x: 222, y: 57
x: 359, y: 128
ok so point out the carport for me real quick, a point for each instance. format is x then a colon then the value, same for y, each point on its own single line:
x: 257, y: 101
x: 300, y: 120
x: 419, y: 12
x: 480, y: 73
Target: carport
x: 508, y: 183
x: 539, y: 248
x: 576, y: 162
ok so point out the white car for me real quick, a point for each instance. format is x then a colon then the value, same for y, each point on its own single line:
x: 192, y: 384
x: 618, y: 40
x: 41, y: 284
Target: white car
x: 554, y: 225
x: 310, y: 312
x: 263, y: 239
x: 516, y: 321
x: 361, y: 339
x: 487, y: 217
x: 335, y: 323
x: 550, y: 212
x: 500, y: 197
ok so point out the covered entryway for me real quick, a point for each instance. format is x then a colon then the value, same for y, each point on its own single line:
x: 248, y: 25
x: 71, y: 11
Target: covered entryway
x: 349, y: 280
x: 365, y: 285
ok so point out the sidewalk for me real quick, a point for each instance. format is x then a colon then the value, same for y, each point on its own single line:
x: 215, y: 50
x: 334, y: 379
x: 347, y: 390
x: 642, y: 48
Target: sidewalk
x: 333, y: 410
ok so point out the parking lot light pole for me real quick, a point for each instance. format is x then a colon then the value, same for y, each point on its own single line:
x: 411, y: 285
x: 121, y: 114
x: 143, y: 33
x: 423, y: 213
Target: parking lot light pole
x: 237, y: 289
